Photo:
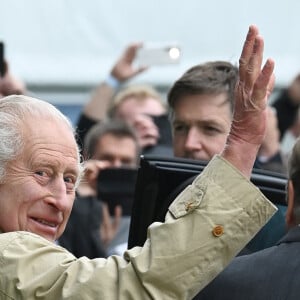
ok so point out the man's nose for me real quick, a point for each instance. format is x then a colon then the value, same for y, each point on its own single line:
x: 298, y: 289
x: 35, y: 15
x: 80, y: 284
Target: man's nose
x: 193, y: 140
x: 58, y: 190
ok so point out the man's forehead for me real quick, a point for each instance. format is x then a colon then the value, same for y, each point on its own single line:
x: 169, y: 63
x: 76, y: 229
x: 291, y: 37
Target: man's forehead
x: 220, y: 97
x: 110, y: 140
x: 115, y: 143
x: 192, y: 103
x: 43, y: 135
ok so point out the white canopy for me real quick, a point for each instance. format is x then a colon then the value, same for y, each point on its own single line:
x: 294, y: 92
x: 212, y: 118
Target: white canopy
x: 75, y: 42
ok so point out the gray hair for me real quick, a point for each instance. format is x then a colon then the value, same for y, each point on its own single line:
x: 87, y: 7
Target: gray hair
x: 14, y: 110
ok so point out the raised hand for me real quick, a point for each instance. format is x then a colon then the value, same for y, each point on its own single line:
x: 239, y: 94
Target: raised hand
x: 253, y: 88
x: 147, y: 131
x: 124, y: 68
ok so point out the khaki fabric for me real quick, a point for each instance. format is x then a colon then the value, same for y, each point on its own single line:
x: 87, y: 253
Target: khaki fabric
x: 206, y: 226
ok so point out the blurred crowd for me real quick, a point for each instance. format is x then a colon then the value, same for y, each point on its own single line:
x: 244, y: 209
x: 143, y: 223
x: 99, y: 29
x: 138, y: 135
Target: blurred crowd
x: 122, y: 121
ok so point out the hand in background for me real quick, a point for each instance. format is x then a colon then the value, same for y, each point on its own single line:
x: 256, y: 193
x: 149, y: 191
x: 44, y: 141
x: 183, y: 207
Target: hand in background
x: 124, y: 68
x: 147, y: 131
x: 271, y: 143
x: 88, y: 184
x: 110, y: 224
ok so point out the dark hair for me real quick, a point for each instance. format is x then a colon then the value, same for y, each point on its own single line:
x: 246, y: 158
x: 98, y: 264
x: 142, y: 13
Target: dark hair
x: 114, y: 127
x: 209, y: 78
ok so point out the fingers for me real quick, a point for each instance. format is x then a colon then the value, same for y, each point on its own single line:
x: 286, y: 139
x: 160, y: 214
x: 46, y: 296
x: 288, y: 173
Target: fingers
x: 147, y: 131
x: 105, y: 215
x: 255, y: 82
x: 249, y: 120
x: 105, y: 231
x: 141, y: 69
x: 109, y: 227
x: 117, y: 218
x: 264, y: 84
x: 129, y: 57
x: 130, y: 51
x: 93, y: 168
x: 255, y: 62
x: 247, y: 51
x: 251, y: 58
x: 124, y: 68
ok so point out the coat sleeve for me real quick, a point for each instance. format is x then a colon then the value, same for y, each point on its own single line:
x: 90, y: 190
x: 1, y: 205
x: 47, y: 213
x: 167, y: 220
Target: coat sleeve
x: 206, y: 226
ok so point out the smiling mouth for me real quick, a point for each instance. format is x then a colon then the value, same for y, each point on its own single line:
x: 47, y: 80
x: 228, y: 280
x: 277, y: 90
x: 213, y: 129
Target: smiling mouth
x: 44, y: 222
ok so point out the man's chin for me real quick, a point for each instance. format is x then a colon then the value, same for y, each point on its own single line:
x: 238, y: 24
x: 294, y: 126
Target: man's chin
x: 198, y: 157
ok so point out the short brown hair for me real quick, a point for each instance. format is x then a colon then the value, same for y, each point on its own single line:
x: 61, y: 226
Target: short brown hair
x: 214, y: 77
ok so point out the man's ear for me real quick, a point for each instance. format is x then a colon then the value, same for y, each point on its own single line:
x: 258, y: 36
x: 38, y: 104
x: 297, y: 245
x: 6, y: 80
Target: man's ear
x: 289, y: 217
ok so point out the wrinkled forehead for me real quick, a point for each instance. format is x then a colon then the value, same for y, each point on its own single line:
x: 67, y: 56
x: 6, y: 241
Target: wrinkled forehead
x: 48, y: 133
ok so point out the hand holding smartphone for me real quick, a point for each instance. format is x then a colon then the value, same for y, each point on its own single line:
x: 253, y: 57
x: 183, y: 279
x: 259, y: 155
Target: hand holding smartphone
x: 158, y: 54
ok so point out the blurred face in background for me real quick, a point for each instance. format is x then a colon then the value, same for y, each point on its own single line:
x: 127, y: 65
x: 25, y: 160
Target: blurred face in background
x: 117, y: 151
x: 200, y: 125
x: 130, y: 107
x: 138, y: 114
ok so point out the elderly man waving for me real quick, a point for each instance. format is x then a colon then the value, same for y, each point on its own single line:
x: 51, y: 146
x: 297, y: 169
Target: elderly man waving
x: 205, y: 227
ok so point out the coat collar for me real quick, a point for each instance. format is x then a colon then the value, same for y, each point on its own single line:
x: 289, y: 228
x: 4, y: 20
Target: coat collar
x: 293, y: 235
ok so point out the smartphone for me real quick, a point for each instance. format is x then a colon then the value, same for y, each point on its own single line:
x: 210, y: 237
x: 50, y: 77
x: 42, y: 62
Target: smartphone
x: 152, y: 54
x: 2, y: 62
x: 116, y: 186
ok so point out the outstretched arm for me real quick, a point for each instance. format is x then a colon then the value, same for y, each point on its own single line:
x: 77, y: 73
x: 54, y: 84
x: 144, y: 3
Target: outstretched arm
x: 96, y: 109
x: 122, y: 71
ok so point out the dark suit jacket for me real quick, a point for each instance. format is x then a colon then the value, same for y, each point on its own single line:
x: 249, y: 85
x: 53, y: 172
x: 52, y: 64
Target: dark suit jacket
x: 81, y: 236
x: 269, y: 274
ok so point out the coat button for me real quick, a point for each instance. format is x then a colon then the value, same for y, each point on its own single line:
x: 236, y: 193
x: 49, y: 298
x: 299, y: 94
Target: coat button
x: 189, y: 206
x: 218, y: 230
